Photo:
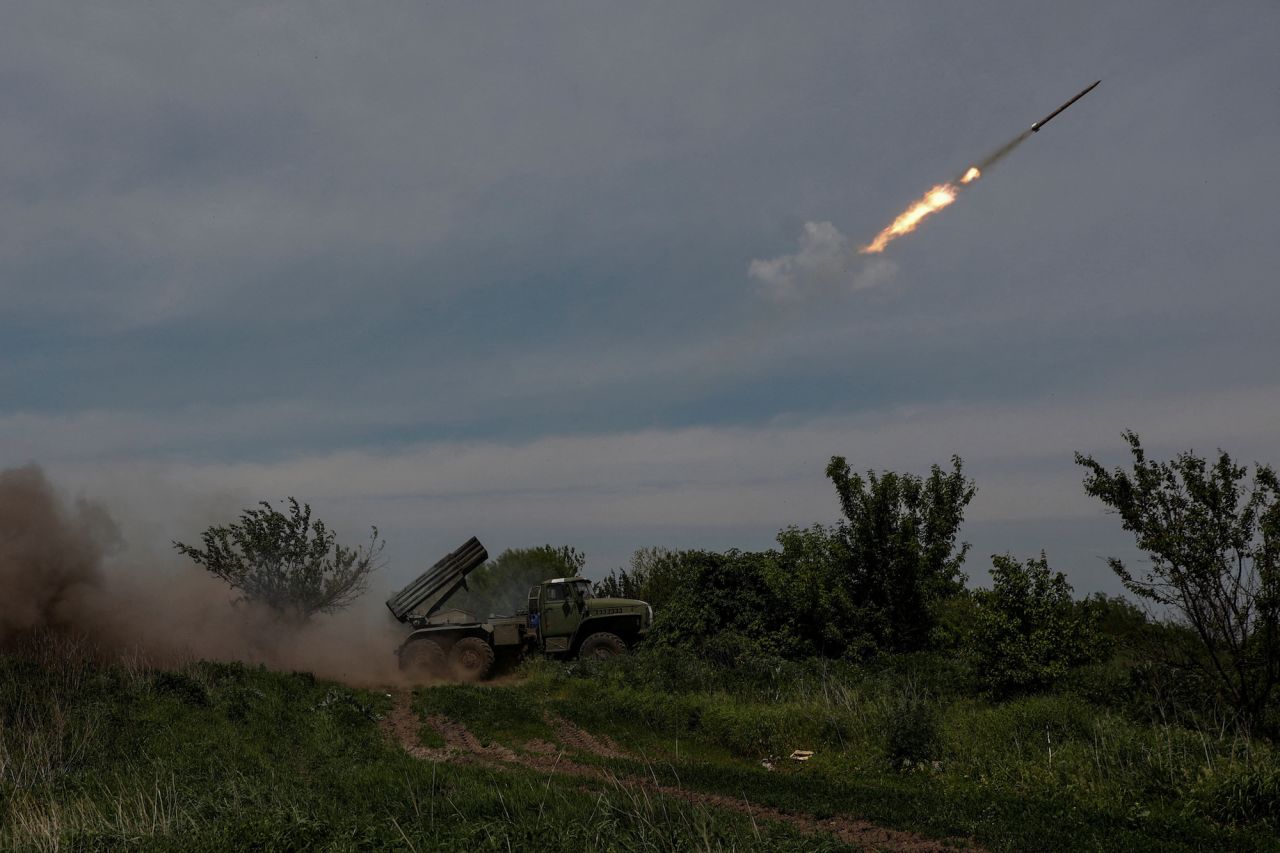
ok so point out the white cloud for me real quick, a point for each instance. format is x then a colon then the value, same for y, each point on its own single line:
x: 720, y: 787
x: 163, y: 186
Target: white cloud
x: 825, y: 261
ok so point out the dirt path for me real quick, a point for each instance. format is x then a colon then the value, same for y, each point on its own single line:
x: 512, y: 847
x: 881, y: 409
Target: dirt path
x: 462, y: 747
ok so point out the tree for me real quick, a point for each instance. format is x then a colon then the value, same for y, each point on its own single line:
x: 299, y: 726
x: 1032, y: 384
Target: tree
x: 899, y: 534
x: 817, y: 603
x: 653, y: 576
x: 1214, y: 544
x: 1028, y: 631
x: 289, y: 562
x: 725, y: 608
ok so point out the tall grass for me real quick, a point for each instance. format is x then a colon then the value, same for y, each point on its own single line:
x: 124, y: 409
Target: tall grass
x: 97, y: 755
x: 914, y: 714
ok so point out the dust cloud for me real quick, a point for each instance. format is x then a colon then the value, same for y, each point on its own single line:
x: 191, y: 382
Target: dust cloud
x: 63, y: 569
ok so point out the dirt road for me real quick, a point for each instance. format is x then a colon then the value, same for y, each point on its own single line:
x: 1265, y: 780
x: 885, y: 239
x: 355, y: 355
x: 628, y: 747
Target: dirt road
x: 462, y: 747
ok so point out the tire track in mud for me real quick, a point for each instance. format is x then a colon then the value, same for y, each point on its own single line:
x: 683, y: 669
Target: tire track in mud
x: 463, y: 747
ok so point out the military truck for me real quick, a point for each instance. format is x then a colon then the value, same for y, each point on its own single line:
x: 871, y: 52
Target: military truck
x: 564, y: 619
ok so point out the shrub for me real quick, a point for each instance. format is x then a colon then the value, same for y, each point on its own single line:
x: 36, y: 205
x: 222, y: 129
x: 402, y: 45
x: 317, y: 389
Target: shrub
x: 899, y: 556
x: 290, y: 563
x: 914, y: 734
x: 1028, y: 631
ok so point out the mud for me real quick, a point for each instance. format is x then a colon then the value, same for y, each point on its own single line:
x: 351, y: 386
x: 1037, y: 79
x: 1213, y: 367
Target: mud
x: 581, y: 740
x: 462, y: 747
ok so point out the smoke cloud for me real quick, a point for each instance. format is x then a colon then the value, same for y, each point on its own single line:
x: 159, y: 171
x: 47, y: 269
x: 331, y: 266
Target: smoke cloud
x: 63, y: 570
x: 824, y: 263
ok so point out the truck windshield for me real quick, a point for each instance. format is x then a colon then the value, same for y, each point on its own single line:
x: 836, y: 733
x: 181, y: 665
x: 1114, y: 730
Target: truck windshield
x: 584, y: 587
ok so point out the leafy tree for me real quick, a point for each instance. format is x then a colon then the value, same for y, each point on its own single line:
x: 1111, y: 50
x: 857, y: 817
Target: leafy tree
x: 901, y: 559
x: 1125, y: 626
x: 1214, y: 544
x: 502, y: 585
x: 816, y: 600
x: 653, y: 576
x: 725, y: 608
x: 1028, y: 632
x: 289, y: 562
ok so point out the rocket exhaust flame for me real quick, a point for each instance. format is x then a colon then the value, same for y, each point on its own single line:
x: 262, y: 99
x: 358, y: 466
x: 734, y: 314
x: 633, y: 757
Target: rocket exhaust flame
x: 939, y: 197
x: 934, y: 200
x: 944, y: 194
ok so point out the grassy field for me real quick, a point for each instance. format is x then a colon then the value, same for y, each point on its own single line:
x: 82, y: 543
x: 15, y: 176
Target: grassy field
x: 623, y: 757
x: 224, y: 756
x: 1051, y: 772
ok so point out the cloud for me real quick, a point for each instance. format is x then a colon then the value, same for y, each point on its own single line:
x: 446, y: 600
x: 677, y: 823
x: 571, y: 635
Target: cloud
x: 696, y: 486
x: 825, y: 262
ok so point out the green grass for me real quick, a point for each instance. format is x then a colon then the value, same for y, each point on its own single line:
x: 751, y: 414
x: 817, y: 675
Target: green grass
x: 225, y: 756
x: 1049, y: 772
x: 490, y: 712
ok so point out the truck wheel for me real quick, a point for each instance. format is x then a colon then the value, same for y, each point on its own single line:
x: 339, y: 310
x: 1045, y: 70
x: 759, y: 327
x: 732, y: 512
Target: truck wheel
x: 601, y: 646
x: 470, y: 659
x: 422, y: 658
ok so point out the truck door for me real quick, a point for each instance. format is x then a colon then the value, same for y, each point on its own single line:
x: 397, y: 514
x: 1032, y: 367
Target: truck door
x: 558, y: 618
x: 535, y: 609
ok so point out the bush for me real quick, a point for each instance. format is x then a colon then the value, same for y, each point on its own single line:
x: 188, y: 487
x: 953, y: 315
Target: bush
x: 898, y: 554
x: 914, y: 735
x: 290, y: 563
x: 1028, y: 632
x: 653, y: 576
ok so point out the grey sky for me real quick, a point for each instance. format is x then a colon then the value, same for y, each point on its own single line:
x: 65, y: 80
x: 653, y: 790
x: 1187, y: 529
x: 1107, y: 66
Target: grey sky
x: 484, y: 269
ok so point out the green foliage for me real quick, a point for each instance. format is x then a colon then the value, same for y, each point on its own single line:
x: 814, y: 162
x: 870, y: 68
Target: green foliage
x: 654, y: 576
x: 816, y: 593
x: 900, y: 556
x: 957, y: 619
x: 741, y: 605
x: 1118, y: 619
x: 97, y: 757
x: 502, y: 585
x: 1041, y: 772
x: 492, y: 713
x: 726, y: 608
x: 877, y: 582
x: 1238, y: 793
x: 290, y: 563
x: 1028, y: 632
x: 1214, y: 545
x: 914, y: 736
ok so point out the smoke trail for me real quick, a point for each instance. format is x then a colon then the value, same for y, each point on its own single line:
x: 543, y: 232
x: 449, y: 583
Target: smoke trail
x: 1003, y: 151
x: 61, y: 571
x: 823, y: 264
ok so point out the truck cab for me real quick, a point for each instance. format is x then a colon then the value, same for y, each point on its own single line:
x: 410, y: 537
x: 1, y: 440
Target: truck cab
x: 568, y: 619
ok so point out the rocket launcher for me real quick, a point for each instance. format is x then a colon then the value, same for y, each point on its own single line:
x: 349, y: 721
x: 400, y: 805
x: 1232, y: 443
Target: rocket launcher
x: 437, y: 584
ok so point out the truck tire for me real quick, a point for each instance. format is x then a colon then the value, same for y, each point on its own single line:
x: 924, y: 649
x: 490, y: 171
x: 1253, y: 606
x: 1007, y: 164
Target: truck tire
x: 601, y: 646
x: 470, y: 659
x: 423, y: 658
